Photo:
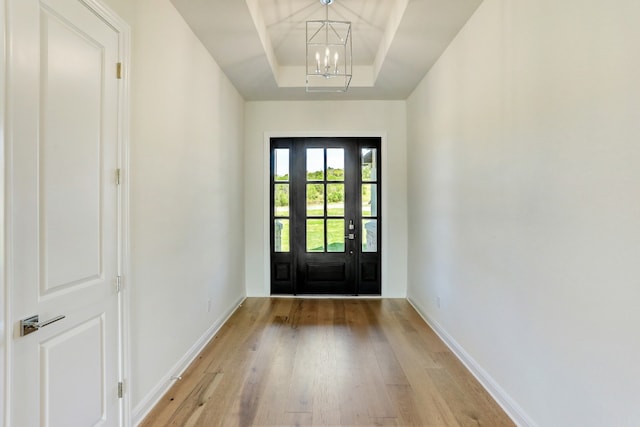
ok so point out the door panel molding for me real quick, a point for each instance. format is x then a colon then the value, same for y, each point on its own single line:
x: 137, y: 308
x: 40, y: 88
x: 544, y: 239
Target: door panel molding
x: 84, y: 189
x: 63, y: 349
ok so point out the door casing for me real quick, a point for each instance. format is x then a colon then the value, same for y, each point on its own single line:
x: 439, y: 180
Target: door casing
x: 4, y: 307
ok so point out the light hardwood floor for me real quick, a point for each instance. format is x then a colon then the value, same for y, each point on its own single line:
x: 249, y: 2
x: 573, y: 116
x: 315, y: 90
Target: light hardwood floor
x: 326, y: 362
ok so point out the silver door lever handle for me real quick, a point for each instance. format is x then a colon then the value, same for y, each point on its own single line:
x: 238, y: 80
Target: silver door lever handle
x: 350, y: 236
x: 32, y: 324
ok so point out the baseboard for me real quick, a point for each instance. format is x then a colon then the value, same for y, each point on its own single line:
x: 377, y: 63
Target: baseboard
x: 151, y: 400
x: 513, y: 410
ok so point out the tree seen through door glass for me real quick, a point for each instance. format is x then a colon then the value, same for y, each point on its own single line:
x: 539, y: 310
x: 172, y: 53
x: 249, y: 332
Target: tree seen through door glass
x: 315, y: 199
x: 335, y: 200
x: 281, y: 200
x: 335, y: 164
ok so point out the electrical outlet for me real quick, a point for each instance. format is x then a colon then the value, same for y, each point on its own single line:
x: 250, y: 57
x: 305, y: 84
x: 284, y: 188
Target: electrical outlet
x: 438, y: 301
x: 209, y: 306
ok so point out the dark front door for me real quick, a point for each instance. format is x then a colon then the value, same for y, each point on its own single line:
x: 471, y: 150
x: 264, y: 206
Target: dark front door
x: 325, y: 234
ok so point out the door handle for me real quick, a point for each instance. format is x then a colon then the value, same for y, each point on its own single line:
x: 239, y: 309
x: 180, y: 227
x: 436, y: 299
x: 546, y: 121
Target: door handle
x: 350, y: 236
x: 32, y: 324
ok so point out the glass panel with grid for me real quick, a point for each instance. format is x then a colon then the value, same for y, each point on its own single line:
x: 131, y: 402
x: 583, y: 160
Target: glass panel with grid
x: 369, y: 198
x: 325, y: 200
x: 281, y: 200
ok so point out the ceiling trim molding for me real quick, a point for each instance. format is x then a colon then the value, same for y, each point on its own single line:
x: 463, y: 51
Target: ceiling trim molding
x: 263, y: 35
x: 395, y: 18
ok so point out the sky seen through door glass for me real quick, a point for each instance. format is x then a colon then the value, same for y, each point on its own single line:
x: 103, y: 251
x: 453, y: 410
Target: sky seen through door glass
x: 314, y: 164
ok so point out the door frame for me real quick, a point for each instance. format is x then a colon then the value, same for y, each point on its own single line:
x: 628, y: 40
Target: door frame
x: 8, y: 327
x: 4, y: 307
x: 266, y: 177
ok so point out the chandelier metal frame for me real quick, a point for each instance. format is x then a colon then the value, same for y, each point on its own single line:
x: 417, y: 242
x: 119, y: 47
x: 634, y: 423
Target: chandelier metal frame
x: 329, y: 54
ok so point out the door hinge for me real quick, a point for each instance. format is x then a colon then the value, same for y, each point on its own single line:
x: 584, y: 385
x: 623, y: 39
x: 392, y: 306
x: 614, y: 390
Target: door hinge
x: 118, y: 284
x: 120, y: 390
x: 119, y: 70
x: 118, y: 176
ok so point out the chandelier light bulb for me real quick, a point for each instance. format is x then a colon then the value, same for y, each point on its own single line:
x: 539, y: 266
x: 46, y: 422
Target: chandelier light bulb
x: 326, y: 59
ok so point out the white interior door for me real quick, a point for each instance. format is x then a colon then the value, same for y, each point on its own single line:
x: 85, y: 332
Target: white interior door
x: 63, y: 214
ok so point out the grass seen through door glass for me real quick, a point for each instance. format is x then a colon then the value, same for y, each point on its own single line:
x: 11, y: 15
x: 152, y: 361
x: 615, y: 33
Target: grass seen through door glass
x: 315, y: 230
x: 315, y: 199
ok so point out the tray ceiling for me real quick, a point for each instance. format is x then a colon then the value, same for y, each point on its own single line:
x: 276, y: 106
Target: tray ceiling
x: 260, y: 44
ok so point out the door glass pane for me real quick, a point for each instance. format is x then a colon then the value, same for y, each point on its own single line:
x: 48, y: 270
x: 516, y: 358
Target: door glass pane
x: 281, y: 235
x: 335, y: 235
x: 335, y: 164
x: 281, y: 164
x: 369, y: 200
x: 369, y: 158
x: 315, y: 199
x: 281, y: 200
x: 315, y: 164
x: 369, y: 235
x: 335, y: 199
x: 315, y: 235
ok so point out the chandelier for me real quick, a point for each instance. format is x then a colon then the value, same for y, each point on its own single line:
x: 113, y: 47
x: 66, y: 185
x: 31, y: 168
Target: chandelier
x: 329, y: 54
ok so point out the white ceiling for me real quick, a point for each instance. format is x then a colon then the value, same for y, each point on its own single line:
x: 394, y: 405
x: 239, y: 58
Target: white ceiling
x: 260, y: 44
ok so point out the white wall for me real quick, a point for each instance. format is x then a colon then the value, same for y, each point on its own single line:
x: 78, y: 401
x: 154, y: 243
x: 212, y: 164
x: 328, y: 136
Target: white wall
x: 334, y: 118
x: 187, y: 241
x: 524, y: 207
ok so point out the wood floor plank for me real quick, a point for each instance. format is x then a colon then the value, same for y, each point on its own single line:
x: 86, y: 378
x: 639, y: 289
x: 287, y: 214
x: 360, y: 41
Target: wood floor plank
x: 297, y: 419
x: 191, y: 409
x: 383, y: 422
x: 326, y: 395
x: 470, y: 403
x: 408, y: 409
x: 326, y: 362
x: 367, y: 369
x: 272, y: 409
x: 433, y: 410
